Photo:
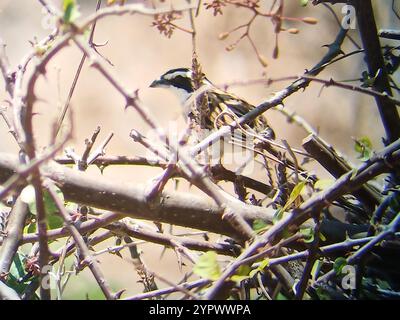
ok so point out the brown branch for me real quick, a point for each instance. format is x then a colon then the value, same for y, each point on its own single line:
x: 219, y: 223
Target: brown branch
x: 6, y: 69
x: 160, y: 292
x: 41, y: 213
x: 277, y: 99
x: 387, y: 158
x: 77, y: 74
x: 171, y: 207
x: 376, y: 66
x: 104, y: 161
x: 176, y: 207
x: 13, y: 237
x: 85, y: 227
x: 170, y: 240
x: 373, y: 93
x: 80, y: 243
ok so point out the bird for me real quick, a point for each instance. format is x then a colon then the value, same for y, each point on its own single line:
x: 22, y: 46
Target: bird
x: 222, y: 107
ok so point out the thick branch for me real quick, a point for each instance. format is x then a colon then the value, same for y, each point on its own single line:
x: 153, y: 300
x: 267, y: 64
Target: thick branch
x: 11, y: 242
x: 376, y: 65
x: 175, y: 208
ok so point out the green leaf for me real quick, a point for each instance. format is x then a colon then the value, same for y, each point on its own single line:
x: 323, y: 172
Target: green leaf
x: 363, y: 147
x: 292, y: 198
x: 259, y: 225
x: 295, y: 193
x: 354, y: 173
x: 253, y: 273
x: 382, y: 284
x: 30, y: 228
x: 71, y: 11
x: 243, y: 270
x: 303, y: 3
x: 315, y: 269
x: 53, y: 220
x: 339, y: 264
x: 264, y: 264
x: 242, y: 273
x: 238, y: 278
x: 207, y: 266
x: 281, y: 296
x: 50, y: 205
x: 308, y: 234
x: 17, y: 271
x: 17, y: 267
x: 368, y: 81
x: 323, y: 184
x: 323, y: 294
x: 394, y: 202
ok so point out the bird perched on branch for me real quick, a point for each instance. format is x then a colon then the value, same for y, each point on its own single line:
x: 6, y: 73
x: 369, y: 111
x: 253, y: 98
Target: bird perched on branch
x: 221, y: 107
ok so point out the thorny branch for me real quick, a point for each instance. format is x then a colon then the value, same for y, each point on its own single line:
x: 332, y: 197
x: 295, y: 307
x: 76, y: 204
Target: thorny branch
x: 222, y: 213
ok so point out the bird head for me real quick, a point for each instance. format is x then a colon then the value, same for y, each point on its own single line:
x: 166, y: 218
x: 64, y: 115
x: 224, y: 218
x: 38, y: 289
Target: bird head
x: 177, y: 80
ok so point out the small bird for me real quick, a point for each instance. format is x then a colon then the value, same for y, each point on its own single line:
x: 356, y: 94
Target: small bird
x: 223, y: 107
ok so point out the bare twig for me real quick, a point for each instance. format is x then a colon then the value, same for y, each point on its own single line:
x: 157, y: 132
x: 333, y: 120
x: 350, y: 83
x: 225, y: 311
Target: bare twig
x: 77, y: 73
x: 88, y: 259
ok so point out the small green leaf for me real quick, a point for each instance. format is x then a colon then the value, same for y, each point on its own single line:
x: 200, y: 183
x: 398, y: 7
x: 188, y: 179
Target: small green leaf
x: 295, y: 193
x: 17, y: 267
x: 253, y: 272
x: 315, y: 269
x: 367, y: 80
x: 281, y: 296
x: 382, y: 284
x: 264, y: 264
x: 292, y: 198
x: 323, y: 294
x: 354, y: 173
x: 308, y: 234
x: 243, y: 270
x: 49, y: 203
x: 243, y: 273
x: 323, y: 184
x: 259, y: 225
x: 53, y: 220
x: 17, y: 271
x: 363, y: 147
x: 207, y: 266
x: 303, y: 3
x: 30, y: 228
x: 339, y: 264
x: 71, y: 11
x: 238, y: 279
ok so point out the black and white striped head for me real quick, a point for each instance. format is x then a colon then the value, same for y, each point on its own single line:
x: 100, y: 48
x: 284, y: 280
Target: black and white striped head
x: 179, y: 80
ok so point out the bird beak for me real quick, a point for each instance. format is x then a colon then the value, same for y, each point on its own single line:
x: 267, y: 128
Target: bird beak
x: 157, y: 83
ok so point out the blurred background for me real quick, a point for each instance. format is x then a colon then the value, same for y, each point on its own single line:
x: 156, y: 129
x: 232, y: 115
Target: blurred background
x: 139, y: 55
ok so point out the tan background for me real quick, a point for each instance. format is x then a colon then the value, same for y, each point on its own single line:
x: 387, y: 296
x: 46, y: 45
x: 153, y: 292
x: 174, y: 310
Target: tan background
x: 140, y: 54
